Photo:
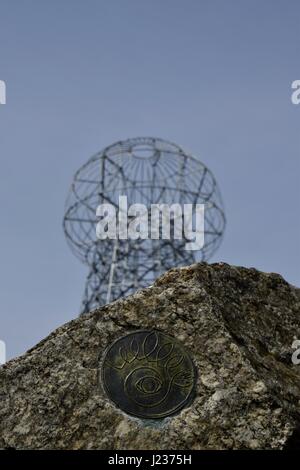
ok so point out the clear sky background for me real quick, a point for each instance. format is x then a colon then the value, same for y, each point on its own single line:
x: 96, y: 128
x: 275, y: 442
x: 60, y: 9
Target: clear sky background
x: 213, y: 76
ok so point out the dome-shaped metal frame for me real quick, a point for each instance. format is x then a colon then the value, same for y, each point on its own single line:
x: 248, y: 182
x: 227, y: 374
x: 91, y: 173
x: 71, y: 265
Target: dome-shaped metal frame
x: 148, y: 171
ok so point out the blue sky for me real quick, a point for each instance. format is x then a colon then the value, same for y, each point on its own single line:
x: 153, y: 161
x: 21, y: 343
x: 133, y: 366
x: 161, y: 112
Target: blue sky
x: 213, y: 76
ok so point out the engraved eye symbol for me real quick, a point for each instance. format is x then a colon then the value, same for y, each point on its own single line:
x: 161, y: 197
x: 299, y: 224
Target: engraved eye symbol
x: 148, y: 385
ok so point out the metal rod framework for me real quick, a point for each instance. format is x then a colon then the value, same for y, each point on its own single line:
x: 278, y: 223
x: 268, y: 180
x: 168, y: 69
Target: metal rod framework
x: 148, y: 171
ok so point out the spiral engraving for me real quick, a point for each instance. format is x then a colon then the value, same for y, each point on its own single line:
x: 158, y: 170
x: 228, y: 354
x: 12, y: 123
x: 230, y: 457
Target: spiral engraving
x: 148, y: 374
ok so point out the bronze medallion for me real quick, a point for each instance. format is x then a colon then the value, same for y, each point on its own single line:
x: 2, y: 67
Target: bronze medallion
x: 148, y: 374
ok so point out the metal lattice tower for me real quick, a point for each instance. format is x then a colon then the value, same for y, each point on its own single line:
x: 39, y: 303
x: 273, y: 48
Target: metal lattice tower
x: 148, y: 171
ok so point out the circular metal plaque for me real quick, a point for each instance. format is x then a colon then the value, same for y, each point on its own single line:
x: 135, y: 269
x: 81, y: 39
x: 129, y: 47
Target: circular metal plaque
x: 148, y: 374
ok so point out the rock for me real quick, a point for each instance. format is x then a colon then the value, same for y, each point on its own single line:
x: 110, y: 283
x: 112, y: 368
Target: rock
x: 238, y: 325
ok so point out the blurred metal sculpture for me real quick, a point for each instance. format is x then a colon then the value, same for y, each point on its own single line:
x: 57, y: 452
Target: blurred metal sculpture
x: 148, y: 171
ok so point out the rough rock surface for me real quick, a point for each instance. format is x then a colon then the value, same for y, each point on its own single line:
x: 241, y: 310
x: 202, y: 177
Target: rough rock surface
x: 238, y: 325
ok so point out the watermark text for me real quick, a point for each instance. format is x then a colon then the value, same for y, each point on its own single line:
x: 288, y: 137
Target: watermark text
x: 2, y: 92
x: 2, y: 352
x: 137, y: 221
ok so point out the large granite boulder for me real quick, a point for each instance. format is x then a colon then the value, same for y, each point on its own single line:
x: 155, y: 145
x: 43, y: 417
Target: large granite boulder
x: 238, y: 326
